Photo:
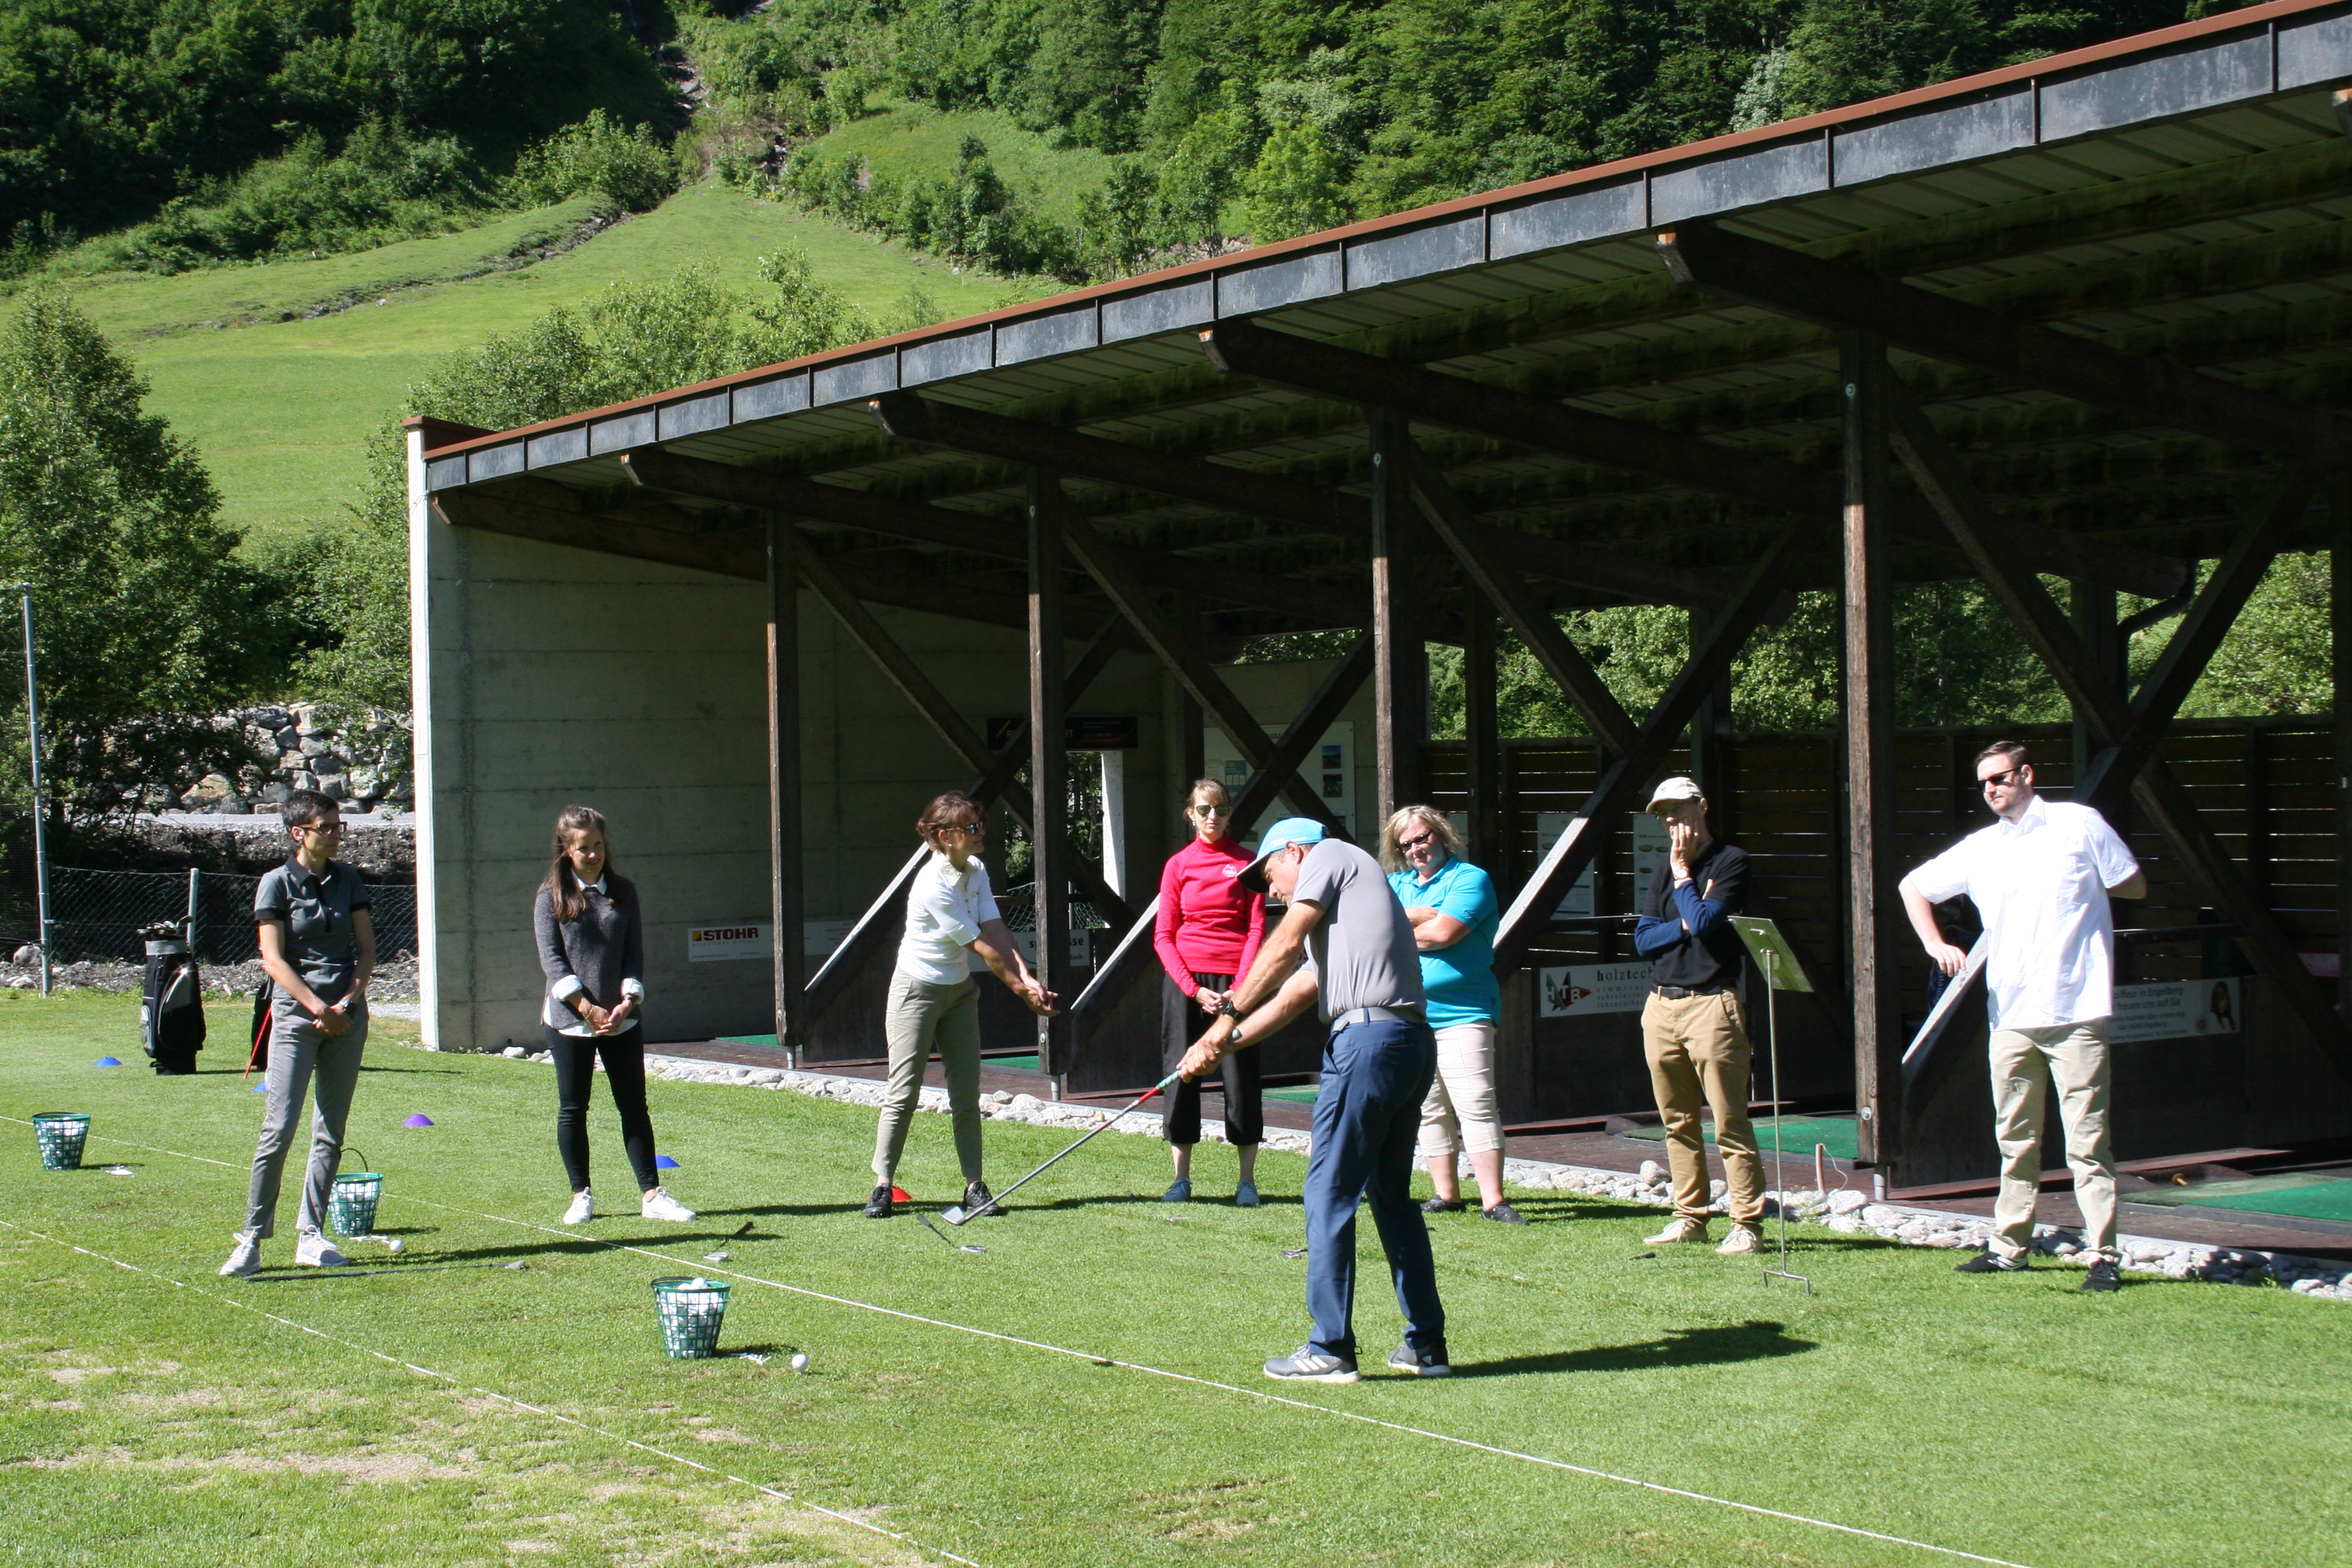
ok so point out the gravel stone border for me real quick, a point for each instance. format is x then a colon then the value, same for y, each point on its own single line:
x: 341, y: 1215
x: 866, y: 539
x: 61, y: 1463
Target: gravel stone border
x: 1846, y: 1211
x: 395, y: 979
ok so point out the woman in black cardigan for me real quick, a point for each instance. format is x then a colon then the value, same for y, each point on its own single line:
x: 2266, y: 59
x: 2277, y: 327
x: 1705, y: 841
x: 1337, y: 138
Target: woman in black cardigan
x: 591, y: 944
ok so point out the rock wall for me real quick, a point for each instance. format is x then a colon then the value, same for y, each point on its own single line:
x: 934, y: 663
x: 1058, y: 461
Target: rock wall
x: 363, y: 762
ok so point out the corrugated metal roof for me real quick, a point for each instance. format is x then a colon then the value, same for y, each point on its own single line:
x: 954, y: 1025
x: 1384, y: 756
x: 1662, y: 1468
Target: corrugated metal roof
x: 2183, y: 195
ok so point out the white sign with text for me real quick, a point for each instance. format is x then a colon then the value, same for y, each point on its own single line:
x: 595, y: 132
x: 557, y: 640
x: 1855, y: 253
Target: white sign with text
x: 2175, y: 1010
x: 1649, y: 848
x: 1581, y: 990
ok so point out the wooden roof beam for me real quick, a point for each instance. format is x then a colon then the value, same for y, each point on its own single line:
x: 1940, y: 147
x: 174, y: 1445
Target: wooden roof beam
x: 1255, y: 493
x: 1457, y: 402
x: 1734, y: 267
x: 732, y: 485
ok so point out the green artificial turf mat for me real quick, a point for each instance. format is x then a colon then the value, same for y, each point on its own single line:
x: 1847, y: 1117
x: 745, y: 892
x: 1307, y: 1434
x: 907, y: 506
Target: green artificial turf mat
x: 146, y: 1416
x: 1304, y: 1094
x: 767, y: 1042
x: 2304, y: 1195
x: 1799, y: 1134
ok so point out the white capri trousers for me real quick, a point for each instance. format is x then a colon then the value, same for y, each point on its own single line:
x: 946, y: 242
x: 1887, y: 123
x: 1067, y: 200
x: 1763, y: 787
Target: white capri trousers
x: 1461, y: 1114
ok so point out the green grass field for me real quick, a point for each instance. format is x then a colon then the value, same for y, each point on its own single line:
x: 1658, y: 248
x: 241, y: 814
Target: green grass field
x: 915, y: 140
x: 152, y: 1413
x: 280, y: 409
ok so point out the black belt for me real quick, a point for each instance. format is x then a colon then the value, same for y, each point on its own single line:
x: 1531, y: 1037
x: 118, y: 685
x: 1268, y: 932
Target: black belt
x: 1684, y: 993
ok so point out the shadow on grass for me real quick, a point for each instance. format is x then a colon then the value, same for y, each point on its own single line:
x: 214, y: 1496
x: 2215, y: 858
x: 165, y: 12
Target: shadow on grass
x: 1756, y: 1340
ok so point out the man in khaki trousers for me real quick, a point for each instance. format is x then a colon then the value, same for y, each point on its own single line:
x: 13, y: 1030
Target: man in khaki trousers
x: 1694, y: 1034
x: 2041, y: 876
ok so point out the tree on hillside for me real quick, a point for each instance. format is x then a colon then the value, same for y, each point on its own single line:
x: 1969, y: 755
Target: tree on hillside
x: 147, y: 623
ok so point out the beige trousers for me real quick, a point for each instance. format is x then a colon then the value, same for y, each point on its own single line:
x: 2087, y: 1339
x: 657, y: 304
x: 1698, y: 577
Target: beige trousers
x: 1698, y: 1052
x: 2076, y: 1059
x: 1461, y: 1115
x: 920, y: 1018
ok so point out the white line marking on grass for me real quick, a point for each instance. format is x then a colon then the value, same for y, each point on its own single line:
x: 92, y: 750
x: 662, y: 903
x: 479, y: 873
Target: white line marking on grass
x: 488, y: 1393
x: 1256, y: 1394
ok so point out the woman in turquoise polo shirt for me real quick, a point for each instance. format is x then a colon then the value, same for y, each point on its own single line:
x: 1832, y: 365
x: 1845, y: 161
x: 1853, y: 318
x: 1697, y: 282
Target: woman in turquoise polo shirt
x: 1454, y: 916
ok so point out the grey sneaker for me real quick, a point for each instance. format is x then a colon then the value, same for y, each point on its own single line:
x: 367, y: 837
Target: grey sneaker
x: 1246, y: 1194
x: 1443, y: 1205
x: 315, y: 1251
x: 1180, y: 1191
x: 1502, y: 1214
x: 1423, y: 1362
x: 243, y: 1258
x: 979, y: 1202
x: 1311, y: 1365
x: 2104, y: 1276
x: 1989, y: 1262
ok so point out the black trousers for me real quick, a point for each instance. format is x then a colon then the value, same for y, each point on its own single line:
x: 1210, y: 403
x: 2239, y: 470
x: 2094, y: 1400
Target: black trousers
x: 1181, y: 1023
x: 575, y: 1077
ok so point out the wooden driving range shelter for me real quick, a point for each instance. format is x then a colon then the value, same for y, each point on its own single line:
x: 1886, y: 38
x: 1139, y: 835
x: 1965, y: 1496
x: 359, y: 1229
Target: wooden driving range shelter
x: 2084, y: 318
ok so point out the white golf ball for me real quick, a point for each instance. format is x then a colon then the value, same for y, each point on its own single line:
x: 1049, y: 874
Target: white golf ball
x: 800, y: 1361
x: 392, y: 1242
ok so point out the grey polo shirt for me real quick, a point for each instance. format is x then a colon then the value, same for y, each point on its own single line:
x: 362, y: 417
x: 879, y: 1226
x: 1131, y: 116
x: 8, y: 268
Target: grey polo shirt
x: 320, y: 943
x: 1362, y: 947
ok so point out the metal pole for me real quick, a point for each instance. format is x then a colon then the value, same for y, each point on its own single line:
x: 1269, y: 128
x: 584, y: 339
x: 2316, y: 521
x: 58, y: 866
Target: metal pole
x: 1779, y: 1156
x: 40, y: 833
x: 191, y: 931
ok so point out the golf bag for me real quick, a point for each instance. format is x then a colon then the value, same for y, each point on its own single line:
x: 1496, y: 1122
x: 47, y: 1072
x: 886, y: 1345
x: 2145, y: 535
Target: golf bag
x: 171, y: 1002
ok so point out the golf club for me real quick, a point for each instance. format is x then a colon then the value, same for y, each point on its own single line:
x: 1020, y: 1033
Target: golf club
x: 956, y: 1213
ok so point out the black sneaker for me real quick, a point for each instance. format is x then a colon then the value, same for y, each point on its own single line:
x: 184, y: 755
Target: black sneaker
x: 878, y: 1206
x: 978, y: 1201
x: 1422, y: 1362
x: 1989, y: 1262
x: 1443, y: 1205
x: 1502, y: 1214
x: 1311, y: 1365
x: 2104, y: 1276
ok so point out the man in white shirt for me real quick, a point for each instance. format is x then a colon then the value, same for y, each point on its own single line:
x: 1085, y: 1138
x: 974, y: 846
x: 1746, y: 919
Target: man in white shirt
x: 2040, y: 877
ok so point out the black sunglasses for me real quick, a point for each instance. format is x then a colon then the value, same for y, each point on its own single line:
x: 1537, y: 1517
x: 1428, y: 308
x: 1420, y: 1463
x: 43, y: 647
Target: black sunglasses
x: 2009, y: 778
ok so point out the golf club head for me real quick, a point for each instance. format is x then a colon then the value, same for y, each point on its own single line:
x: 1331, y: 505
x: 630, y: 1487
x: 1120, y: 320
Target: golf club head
x: 954, y: 1214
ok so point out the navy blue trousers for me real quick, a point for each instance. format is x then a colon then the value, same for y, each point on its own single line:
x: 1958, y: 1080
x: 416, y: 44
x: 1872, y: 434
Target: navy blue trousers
x: 1367, y: 1119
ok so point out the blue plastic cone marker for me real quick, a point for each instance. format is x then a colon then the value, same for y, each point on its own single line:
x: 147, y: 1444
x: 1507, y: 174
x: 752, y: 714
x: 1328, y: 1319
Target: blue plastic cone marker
x: 419, y: 1119
x: 109, y: 1062
x: 261, y: 1089
x: 664, y: 1162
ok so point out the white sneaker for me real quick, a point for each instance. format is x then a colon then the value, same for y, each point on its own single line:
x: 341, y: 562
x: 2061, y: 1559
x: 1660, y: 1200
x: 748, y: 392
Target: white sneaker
x: 1680, y: 1231
x: 244, y: 1259
x: 1745, y: 1241
x: 315, y: 1251
x: 582, y: 1209
x: 660, y: 1204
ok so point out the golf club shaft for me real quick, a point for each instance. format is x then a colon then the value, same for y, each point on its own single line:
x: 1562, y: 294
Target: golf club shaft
x: 1041, y: 1170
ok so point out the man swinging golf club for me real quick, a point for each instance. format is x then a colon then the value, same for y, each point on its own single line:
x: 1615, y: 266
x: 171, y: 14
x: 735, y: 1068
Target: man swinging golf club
x: 1361, y: 963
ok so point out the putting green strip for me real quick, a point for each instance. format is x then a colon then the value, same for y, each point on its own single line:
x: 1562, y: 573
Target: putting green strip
x: 707, y: 1269
x: 486, y: 1393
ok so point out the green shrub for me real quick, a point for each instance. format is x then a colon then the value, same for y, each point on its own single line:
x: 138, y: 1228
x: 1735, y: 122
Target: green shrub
x: 627, y: 165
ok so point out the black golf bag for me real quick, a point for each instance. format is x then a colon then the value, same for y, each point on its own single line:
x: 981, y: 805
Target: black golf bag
x: 171, y: 1002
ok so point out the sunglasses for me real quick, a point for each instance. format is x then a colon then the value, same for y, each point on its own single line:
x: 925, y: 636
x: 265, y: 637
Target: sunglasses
x: 2013, y: 776
x: 330, y: 829
x: 969, y: 829
x: 1424, y: 842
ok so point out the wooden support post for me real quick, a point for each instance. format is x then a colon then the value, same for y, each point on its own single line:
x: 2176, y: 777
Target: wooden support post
x: 1710, y: 730
x: 1870, y: 755
x: 1049, y: 759
x: 2339, y: 624
x: 1400, y: 664
x: 1191, y: 725
x: 785, y: 854
x: 1482, y: 735
x: 2093, y: 607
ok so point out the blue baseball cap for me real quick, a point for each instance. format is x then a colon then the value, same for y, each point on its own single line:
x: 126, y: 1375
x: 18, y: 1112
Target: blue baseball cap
x: 1290, y: 830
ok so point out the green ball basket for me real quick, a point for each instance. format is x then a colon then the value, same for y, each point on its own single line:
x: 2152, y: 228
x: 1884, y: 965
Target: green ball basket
x: 351, y: 1203
x: 60, y: 1134
x: 690, y: 1312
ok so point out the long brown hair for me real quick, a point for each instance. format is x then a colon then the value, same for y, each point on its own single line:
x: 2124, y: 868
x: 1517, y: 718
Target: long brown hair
x: 563, y: 883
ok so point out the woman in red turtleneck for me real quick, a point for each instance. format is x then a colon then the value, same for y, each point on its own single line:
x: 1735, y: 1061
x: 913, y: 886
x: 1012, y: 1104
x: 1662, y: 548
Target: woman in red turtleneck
x: 1208, y: 931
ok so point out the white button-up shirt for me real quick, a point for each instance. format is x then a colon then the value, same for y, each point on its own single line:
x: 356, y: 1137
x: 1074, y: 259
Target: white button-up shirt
x: 2041, y: 883
x: 945, y: 909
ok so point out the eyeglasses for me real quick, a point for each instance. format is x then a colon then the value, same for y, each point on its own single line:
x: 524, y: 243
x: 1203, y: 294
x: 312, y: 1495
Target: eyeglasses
x: 332, y: 829
x: 1424, y: 842
x: 969, y: 829
x: 2011, y: 777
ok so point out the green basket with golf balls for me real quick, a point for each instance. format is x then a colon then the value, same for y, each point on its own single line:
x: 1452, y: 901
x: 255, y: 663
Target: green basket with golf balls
x: 690, y: 1312
x: 351, y: 1203
x: 60, y: 1134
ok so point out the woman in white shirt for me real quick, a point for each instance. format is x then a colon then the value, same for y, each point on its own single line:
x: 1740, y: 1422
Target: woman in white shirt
x: 934, y: 1002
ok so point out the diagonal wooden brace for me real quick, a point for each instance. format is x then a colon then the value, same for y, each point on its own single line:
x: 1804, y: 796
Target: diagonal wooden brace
x: 2169, y: 806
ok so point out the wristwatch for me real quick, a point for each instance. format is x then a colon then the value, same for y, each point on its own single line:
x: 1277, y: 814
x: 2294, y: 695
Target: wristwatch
x: 1225, y: 1008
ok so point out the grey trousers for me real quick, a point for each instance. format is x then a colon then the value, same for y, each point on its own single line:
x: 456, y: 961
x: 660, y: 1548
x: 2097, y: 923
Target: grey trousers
x: 922, y: 1018
x: 298, y: 1052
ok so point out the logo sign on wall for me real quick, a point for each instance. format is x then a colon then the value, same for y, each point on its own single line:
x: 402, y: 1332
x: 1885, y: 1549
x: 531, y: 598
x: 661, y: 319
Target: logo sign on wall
x: 2176, y: 1010
x: 1582, y: 990
x: 711, y: 944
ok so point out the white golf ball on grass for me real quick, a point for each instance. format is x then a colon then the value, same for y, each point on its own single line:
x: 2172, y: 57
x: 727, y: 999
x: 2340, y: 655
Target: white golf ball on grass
x: 800, y: 1361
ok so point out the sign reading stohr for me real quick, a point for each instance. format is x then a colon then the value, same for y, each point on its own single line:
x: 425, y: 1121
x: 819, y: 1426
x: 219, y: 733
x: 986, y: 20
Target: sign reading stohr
x: 710, y: 944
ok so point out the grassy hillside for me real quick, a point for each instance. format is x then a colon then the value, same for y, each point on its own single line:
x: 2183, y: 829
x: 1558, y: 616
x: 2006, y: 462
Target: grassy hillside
x: 913, y: 141
x: 279, y: 408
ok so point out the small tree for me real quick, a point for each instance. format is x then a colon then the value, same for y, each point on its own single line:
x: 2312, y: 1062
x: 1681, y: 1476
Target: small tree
x: 148, y: 624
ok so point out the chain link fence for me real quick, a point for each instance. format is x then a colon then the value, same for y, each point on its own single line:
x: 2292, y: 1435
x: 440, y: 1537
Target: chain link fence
x: 98, y: 915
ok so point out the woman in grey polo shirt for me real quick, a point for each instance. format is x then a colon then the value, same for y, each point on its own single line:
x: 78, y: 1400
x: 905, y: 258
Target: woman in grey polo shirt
x: 318, y: 944
x: 934, y: 1004
x: 591, y: 945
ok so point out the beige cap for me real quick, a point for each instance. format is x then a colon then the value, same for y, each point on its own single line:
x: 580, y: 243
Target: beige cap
x: 1674, y: 791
